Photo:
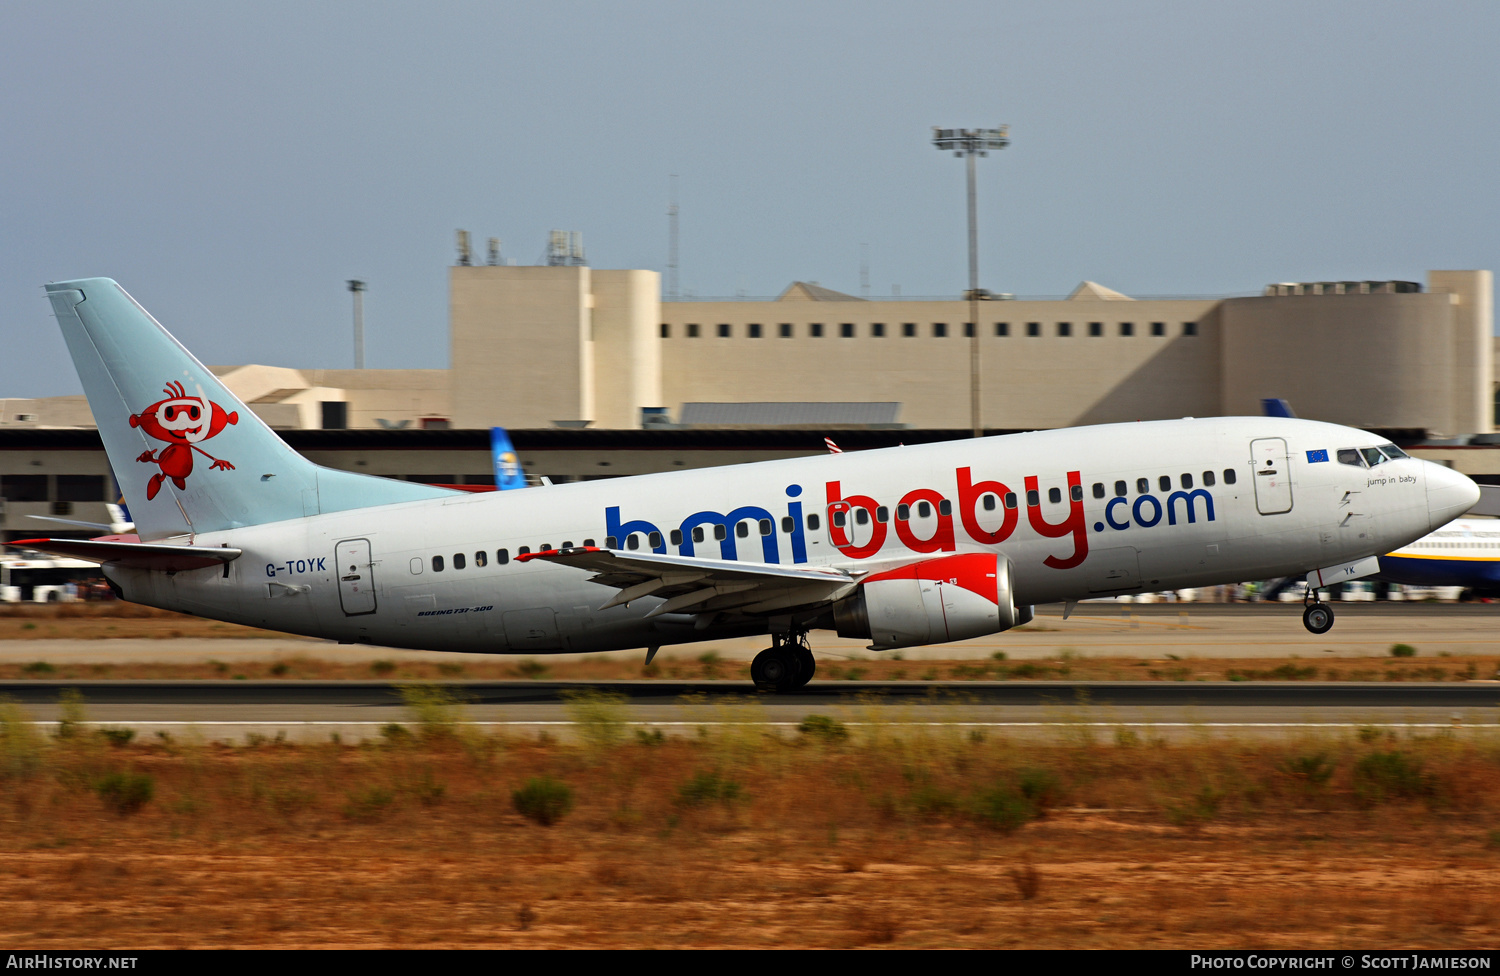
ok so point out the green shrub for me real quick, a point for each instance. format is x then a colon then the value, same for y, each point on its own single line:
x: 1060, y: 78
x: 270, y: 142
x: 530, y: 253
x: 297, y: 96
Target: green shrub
x: 435, y: 711
x: 20, y: 744
x: 1403, y: 650
x: 39, y: 667
x: 543, y: 799
x: 823, y: 727
x: 599, y: 715
x: 1310, y: 770
x: 709, y: 787
x: 1041, y: 787
x: 382, y: 668
x: 1390, y: 775
x: 119, y: 738
x: 124, y: 793
x: 368, y: 805
x: 1002, y: 808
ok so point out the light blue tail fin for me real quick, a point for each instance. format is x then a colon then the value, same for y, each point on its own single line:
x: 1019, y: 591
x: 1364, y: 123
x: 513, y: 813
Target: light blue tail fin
x: 189, y: 455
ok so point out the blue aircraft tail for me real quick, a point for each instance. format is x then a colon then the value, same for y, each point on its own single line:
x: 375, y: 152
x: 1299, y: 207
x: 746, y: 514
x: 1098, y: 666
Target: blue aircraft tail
x: 189, y: 455
x: 508, y: 473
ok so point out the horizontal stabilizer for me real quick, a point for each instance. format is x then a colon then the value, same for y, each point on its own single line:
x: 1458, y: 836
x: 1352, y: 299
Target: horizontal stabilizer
x: 137, y: 555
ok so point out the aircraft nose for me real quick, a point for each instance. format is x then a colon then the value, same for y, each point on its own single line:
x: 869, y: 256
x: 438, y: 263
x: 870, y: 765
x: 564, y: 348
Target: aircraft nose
x: 1449, y: 494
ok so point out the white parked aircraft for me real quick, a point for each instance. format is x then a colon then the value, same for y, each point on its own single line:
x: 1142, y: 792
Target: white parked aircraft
x: 903, y: 546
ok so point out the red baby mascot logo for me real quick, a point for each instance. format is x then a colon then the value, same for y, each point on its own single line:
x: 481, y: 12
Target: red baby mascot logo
x: 182, y: 421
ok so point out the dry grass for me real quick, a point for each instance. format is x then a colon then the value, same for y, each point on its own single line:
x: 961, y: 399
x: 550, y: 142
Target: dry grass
x: 888, y: 838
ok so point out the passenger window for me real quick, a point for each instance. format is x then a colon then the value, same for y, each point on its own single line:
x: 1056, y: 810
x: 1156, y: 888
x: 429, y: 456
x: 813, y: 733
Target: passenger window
x: 502, y: 556
x: 698, y: 534
x: 416, y: 565
x: 1187, y: 481
x: 458, y: 560
x: 1054, y: 495
x: 569, y: 544
x: 590, y: 543
x: 1142, y: 486
x: 1121, y: 489
x: 610, y: 542
x: 676, y: 537
x: 1228, y: 476
x: 861, y: 516
x: 1098, y: 489
x: 1372, y: 455
x: 839, y: 519
x: 545, y: 547
x: 1076, y: 492
x: 903, y: 512
x: 742, y: 529
x: 923, y: 509
x: 720, y: 533
x: 655, y: 540
x: 633, y: 541
x: 882, y: 514
x: 788, y: 524
x: 1165, y: 481
x: 1033, y: 498
x: 989, y: 503
x: 765, y: 526
x: 437, y: 564
x: 945, y: 507
x: 523, y: 551
x: 1010, y: 499
x: 812, y: 523
x: 480, y: 559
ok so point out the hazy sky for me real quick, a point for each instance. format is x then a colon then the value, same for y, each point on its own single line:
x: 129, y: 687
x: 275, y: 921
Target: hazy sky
x: 232, y: 164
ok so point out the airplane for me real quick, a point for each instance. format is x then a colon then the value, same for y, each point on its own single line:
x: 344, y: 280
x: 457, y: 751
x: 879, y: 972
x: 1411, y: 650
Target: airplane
x: 901, y: 546
x: 1465, y: 552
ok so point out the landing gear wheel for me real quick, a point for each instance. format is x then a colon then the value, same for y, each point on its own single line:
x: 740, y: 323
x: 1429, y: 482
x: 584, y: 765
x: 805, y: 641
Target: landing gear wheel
x: 1318, y: 618
x: 775, y: 669
x: 806, y: 665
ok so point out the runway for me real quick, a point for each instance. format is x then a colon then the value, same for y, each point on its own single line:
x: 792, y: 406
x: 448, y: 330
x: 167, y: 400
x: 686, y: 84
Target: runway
x: 358, y: 710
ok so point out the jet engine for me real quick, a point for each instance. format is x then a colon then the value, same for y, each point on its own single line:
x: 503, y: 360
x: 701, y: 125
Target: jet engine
x: 932, y: 601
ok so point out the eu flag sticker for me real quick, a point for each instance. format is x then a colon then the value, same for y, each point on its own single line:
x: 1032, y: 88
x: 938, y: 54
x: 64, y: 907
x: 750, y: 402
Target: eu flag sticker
x: 1313, y: 457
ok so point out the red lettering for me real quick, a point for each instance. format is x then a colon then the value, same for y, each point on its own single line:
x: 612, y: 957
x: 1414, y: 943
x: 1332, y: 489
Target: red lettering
x: 942, y: 539
x: 969, y: 494
x: 839, y: 533
x: 1074, y: 523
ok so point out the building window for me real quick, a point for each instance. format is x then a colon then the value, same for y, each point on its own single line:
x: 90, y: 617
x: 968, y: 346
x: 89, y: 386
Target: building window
x: 1033, y: 329
x: 692, y: 330
x: 335, y: 414
x: 80, y: 488
x: 1002, y: 328
x: 968, y: 330
x: 1158, y: 328
x: 1190, y: 328
x: 846, y: 330
x: 666, y: 331
x: 723, y: 330
x: 909, y: 329
x: 1127, y: 328
x: 815, y: 330
x: 1096, y: 329
x: 786, y: 330
x: 877, y: 330
x: 1065, y: 329
x: 754, y: 328
x: 939, y: 330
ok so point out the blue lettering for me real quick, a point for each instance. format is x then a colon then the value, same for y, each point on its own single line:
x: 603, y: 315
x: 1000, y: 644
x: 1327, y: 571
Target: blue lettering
x: 1187, y: 501
x: 271, y: 570
x: 794, y: 512
x: 1109, y: 513
x: 726, y: 545
x: 620, y: 530
x: 1136, y: 510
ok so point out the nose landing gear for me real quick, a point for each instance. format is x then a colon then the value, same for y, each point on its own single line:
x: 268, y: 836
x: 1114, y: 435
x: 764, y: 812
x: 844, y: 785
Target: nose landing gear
x: 784, y: 666
x: 1317, y: 616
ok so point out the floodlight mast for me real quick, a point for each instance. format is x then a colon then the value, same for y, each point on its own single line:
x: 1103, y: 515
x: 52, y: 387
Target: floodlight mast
x: 358, y: 288
x: 970, y: 143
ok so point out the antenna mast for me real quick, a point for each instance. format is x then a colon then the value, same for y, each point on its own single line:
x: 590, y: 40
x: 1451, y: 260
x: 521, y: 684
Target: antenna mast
x: 672, y: 242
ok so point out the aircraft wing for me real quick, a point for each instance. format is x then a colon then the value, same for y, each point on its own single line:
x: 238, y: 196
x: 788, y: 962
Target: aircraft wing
x: 138, y: 555
x: 689, y: 584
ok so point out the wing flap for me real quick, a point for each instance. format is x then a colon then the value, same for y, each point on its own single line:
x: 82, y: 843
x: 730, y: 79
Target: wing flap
x: 137, y: 555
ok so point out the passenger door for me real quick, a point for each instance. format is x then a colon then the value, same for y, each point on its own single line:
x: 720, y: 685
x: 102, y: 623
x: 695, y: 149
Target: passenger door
x: 356, y: 575
x: 1273, y: 475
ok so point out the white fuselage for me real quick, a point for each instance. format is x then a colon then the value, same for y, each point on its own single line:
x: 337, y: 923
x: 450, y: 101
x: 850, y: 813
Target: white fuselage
x: 1204, y: 502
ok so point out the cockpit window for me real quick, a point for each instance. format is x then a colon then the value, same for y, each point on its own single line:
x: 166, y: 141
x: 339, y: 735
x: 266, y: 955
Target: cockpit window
x: 1392, y: 451
x: 1349, y: 455
x: 1372, y: 455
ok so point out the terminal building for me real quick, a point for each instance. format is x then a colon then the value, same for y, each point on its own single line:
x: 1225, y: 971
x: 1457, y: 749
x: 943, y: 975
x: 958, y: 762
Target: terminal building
x: 597, y: 376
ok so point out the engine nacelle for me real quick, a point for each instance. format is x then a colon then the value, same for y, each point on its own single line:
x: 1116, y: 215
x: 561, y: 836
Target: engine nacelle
x: 932, y: 601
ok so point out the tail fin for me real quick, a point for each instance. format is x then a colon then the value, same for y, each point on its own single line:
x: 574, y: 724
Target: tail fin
x: 190, y: 456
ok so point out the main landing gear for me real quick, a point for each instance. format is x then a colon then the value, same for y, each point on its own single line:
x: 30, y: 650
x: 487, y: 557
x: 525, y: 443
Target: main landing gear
x: 1317, y: 616
x: 784, y: 666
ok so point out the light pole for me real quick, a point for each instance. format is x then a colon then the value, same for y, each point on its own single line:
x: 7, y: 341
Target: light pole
x: 358, y: 288
x: 970, y: 143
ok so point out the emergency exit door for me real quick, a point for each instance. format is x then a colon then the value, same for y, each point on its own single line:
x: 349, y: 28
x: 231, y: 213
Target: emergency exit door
x: 356, y: 575
x: 1273, y: 475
